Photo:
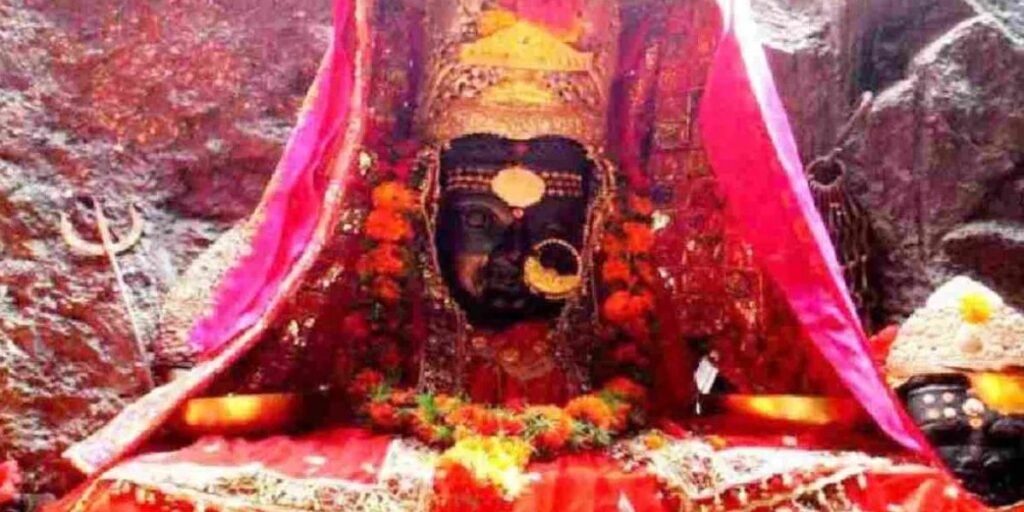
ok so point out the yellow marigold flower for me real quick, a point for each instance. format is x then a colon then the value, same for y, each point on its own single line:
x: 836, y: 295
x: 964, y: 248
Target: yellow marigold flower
x: 654, y: 441
x: 499, y: 461
x: 976, y: 308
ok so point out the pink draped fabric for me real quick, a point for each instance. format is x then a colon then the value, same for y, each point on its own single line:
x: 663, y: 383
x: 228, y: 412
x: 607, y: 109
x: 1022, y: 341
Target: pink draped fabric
x: 295, y: 217
x: 556, y: 14
x: 290, y: 207
x: 750, y: 146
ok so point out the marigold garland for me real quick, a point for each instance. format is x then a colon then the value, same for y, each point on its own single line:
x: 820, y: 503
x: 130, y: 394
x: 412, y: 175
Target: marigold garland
x: 628, y: 273
x: 494, y: 444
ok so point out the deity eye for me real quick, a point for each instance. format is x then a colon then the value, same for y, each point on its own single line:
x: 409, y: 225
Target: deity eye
x: 476, y: 219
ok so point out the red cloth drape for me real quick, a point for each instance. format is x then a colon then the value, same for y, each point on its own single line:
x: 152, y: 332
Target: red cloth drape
x: 348, y: 457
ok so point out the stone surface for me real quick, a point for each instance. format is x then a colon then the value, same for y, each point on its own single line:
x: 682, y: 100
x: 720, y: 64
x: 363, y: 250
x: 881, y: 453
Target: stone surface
x: 941, y: 148
x: 180, y: 109
x: 992, y: 250
x: 944, y: 148
x: 805, y: 50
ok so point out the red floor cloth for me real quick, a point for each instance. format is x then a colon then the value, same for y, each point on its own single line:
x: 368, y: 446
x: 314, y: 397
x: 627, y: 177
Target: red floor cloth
x: 587, y: 482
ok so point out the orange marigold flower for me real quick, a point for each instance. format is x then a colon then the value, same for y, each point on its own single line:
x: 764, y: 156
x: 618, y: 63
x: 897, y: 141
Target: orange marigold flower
x: 475, y: 418
x: 421, y: 428
x: 404, y: 397
x: 613, y: 245
x: 592, y: 409
x: 616, y: 270
x: 387, y: 226
x: 642, y: 303
x: 385, y: 259
x: 552, y: 424
x: 626, y: 389
x: 620, y: 416
x: 642, y: 205
x: 639, y: 237
x: 616, y: 307
x: 384, y: 415
x: 510, y: 425
x: 445, y: 404
x: 646, y: 271
x: 623, y: 307
x: 392, y: 195
x: 365, y: 382
x: 386, y: 290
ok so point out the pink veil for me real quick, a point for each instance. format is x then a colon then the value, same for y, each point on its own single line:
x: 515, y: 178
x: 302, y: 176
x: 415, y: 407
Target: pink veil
x: 750, y: 145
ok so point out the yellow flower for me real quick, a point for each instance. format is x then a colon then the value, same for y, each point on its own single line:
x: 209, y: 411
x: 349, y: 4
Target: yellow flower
x: 498, y: 461
x: 975, y: 302
x: 976, y: 308
x: 654, y: 441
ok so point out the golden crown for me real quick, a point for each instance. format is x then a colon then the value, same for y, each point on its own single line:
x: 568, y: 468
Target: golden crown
x: 488, y: 71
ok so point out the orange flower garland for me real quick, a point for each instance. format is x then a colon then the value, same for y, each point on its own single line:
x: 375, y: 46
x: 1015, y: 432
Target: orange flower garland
x: 627, y: 272
x: 585, y: 422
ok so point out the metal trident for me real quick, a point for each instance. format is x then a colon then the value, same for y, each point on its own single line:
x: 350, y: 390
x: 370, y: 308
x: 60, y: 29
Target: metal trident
x: 111, y: 249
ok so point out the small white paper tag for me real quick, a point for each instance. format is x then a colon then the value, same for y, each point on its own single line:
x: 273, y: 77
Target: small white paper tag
x: 705, y: 375
x: 624, y: 504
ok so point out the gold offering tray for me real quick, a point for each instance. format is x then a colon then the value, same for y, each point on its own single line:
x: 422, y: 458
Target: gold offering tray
x: 241, y: 414
x: 809, y: 410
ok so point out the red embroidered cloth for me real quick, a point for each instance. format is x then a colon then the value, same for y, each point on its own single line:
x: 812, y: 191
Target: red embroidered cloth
x: 339, y: 469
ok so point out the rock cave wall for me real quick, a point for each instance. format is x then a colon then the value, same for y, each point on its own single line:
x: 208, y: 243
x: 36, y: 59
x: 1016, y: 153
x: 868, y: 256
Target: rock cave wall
x: 183, y: 109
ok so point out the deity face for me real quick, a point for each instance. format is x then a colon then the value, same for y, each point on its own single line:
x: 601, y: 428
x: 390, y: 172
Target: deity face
x: 503, y: 202
x: 983, y: 448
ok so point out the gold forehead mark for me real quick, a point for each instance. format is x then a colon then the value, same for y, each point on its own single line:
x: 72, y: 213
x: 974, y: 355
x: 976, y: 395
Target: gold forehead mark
x: 519, y: 187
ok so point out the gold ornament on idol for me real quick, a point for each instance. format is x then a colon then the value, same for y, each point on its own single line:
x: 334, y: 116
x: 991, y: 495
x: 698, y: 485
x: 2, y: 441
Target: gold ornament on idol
x: 519, y: 187
x: 548, y: 281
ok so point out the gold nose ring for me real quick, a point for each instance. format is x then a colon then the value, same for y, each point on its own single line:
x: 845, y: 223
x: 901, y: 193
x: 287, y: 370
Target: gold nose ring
x: 548, y: 282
